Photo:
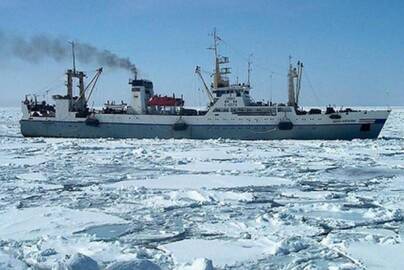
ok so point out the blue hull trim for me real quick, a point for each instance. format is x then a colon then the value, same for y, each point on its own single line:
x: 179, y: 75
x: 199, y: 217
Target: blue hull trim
x: 349, y: 131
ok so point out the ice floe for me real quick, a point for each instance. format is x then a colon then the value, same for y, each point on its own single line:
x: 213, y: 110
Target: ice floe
x: 200, y: 205
x: 32, y: 223
x: 196, y: 181
x: 221, y: 252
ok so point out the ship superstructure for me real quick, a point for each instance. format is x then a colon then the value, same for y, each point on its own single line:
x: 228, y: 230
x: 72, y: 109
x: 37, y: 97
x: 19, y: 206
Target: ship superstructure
x: 231, y: 112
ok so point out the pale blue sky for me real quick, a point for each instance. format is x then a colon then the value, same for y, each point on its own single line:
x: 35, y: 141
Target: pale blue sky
x: 353, y: 50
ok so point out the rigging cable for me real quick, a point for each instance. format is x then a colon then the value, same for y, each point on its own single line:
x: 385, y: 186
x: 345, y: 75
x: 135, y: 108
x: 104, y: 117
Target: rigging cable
x: 311, y: 87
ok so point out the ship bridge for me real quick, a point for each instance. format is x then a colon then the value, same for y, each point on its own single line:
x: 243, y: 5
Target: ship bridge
x: 221, y: 93
x: 234, y: 89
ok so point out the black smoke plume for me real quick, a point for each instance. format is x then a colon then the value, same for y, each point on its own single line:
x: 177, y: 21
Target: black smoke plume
x: 39, y: 47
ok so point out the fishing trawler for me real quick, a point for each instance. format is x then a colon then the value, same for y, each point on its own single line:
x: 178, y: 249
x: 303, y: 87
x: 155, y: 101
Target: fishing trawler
x: 231, y: 113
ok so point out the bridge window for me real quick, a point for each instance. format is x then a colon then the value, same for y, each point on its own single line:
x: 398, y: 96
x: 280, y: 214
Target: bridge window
x: 220, y: 110
x: 284, y: 109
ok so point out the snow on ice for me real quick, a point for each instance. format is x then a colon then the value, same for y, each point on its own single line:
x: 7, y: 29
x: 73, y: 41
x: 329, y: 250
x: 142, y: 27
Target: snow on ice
x: 215, y: 204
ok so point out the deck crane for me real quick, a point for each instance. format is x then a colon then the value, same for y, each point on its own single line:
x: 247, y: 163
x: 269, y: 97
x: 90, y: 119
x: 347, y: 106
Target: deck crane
x: 91, y: 84
x: 210, y: 96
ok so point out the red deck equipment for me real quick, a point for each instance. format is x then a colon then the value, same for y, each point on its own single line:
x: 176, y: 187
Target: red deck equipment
x: 165, y: 101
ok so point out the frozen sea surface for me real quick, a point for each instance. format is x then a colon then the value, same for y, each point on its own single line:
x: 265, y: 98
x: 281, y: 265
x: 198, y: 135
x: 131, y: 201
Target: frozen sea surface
x: 184, y: 204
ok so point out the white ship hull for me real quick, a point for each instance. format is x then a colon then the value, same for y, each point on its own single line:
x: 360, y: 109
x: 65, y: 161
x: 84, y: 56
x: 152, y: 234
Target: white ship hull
x: 360, y: 124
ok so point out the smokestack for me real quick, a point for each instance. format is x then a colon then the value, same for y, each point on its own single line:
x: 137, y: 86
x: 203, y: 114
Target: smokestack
x: 81, y: 84
x: 69, y: 83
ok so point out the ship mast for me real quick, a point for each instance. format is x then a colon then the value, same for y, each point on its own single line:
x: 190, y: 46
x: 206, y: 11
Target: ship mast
x: 291, y: 84
x: 249, y: 70
x: 218, y: 80
x: 294, y: 83
x: 217, y: 77
x: 299, y: 80
x: 80, y: 102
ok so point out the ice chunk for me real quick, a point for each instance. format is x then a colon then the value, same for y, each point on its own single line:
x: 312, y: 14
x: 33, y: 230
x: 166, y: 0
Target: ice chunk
x: 8, y: 262
x: 199, y: 264
x: 293, y: 244
x: 134, y: 265
x: 81, y: 262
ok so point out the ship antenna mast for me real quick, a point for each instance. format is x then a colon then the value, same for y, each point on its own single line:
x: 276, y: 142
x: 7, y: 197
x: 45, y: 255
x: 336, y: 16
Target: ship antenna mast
x: 249, y: 70
x: 217, y: 77
x: 270, y: 87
